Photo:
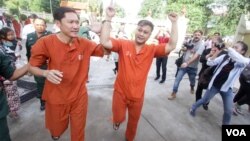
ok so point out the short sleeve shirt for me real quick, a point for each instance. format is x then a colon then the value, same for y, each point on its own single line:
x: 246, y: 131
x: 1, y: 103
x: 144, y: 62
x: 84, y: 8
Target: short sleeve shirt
x: 134, y: 67
x: 197, y: 49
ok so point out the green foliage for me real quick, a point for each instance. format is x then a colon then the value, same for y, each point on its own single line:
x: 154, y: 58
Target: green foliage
x: 13, y: 7
x: 36, y: 5
x: 199, y: 14
x: 229, y: 22
x: 14, y: 11
x: 1, y: 3
x: 24, y: 4
x: 79, y: 0
x: 196, y: 18
x: 30, y: 5
x: 45, y: 4
x: 153, y: 6
x: 193, y: 2
x: 94, y: 5
x: 120, y: 12
x: 23, y: 17
x: 196, y: 11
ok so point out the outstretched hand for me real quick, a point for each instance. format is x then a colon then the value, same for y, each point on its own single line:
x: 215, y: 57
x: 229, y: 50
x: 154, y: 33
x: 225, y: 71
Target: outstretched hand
x: 54, y: 76
x: 95, y: 25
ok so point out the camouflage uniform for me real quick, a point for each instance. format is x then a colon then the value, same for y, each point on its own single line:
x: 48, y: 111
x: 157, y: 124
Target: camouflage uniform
x: 6, y: 70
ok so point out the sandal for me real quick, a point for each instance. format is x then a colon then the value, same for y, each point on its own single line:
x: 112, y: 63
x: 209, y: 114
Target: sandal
x: 14, y: 115
x: 116, y: 126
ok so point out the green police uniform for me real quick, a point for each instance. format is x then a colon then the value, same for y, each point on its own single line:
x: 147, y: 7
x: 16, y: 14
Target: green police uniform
x: 31, y: 40
x: 84, y: 32
x: 6, y: 70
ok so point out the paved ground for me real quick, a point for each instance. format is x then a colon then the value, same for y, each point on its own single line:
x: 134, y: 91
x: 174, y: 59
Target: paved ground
x: 161, y: 119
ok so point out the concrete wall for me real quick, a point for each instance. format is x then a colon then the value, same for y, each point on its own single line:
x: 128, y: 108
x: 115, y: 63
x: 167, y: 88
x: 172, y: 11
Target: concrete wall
x: 247, y: 41
x: 243, y: 31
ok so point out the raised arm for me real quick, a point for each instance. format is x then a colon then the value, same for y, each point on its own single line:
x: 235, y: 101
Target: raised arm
x: 106, y: 28
x: 174, y: 33
x: 237, y: 56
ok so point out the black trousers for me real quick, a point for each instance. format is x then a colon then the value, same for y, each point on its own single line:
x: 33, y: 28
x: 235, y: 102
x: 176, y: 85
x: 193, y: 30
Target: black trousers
x: 4, y: 130
x: 116, y: 66
x: 200, y: 87
x: 161, y: 63
x: 40, y: 81
x: 243, y: 95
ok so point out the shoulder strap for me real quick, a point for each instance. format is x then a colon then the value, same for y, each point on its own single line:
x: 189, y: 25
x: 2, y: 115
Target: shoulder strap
x: 224, y: 59
x: 247, y: 66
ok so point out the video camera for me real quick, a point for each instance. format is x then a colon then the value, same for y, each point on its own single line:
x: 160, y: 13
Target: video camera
x: 189, y: 45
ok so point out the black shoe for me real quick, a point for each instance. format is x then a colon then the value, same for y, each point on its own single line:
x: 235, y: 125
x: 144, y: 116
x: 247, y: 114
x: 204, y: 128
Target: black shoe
x: 42, y: 107
x: 162, y: 81
x: 205, y: 107
x: 157, y: 77
x: 192, y: 112
x: 192, y: 90
x: 116, y: 126
x: 55, y: 138
x: 114, y: 70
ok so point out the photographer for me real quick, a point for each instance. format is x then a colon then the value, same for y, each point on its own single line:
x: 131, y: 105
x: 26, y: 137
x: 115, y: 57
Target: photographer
x: 193, y: 49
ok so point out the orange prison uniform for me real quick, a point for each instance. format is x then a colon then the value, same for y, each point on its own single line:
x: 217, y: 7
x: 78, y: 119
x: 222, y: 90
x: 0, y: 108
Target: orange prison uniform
x: 131, y: 80
x: 67, y: 100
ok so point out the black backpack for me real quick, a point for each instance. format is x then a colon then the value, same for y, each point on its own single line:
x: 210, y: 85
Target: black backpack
x: 208, y: 73
x: 246, y: 73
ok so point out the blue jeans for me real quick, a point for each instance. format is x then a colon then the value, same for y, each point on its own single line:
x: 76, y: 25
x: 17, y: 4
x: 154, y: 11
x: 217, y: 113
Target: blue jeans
x: 227, y: 98
x: 192, y: 72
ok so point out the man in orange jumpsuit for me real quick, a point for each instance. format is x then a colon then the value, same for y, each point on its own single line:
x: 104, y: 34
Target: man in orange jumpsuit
x: 68, y: 57
x: 135, y: 59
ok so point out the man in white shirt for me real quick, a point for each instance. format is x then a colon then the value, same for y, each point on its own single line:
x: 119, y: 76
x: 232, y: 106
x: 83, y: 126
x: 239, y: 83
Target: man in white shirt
x: 29, y: 28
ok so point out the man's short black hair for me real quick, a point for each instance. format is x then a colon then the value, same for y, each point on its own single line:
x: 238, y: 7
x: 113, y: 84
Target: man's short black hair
x: 217, y: 33
x: 33, y: 16
x: 199, y: 31
x: 39, y: 18
x: 146, y: 22
x: 59, y: 13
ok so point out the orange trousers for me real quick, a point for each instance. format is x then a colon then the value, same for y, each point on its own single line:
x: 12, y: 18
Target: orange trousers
x: 119, y: 107
x: 58, y: 116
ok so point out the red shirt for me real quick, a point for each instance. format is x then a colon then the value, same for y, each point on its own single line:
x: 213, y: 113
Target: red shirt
x: 162, y: 39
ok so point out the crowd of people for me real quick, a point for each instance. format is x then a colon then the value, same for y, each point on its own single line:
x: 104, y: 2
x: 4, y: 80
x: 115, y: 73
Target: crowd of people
x: 60, y: 63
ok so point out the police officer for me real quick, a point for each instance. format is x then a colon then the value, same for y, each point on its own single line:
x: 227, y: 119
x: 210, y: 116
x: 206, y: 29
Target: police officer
x: 40, y: 31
